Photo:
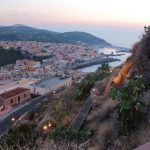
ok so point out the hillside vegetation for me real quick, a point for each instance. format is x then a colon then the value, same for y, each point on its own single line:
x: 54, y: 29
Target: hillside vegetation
x: 9, y: 56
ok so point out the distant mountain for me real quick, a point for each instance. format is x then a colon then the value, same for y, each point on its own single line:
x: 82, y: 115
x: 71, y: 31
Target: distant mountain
x: 26, y: 33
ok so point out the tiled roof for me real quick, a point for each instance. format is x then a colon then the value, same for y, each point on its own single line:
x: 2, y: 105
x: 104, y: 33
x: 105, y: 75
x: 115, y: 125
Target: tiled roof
x: 13, y: 93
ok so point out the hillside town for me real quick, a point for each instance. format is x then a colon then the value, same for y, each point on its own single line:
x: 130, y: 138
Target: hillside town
x: 56, y: 69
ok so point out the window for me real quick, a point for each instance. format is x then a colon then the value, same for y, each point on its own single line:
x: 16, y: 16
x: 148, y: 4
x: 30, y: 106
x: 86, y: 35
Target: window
x: 24, y: 95
x: 11, y: 101
x: 18, y: 98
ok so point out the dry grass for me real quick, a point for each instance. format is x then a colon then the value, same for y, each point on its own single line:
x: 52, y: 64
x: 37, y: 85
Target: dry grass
x: 102, y: 120
x: 102, y: 136
x: 102, y: 117
x: 64, y: 146
x: 63, y: 109
x: 135, y: 139
x: 99, y: 114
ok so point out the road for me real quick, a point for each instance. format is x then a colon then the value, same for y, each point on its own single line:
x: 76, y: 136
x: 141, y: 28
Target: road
x: 6, y: 123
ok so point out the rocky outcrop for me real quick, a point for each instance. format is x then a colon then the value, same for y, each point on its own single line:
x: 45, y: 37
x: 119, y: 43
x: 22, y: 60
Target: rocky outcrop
x: 141, y: 56
x: 139, y: 62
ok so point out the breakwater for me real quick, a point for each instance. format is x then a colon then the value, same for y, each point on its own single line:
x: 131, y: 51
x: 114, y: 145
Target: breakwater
x: 94, y: 62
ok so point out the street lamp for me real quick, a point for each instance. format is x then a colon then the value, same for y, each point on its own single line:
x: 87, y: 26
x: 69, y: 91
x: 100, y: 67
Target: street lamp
x: 94, y: 90
x: 49, y: 124
x: 13, y: 119
x: 45, y: 127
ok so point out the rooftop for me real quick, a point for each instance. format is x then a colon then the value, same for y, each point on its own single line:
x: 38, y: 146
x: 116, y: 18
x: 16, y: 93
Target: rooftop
x: 13, y: 93
x: 50, y: 81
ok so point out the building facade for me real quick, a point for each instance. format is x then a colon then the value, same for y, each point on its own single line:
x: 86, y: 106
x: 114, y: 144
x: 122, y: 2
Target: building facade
x: 4, y: 109
x: 51, y: 84
x: 15, y: 96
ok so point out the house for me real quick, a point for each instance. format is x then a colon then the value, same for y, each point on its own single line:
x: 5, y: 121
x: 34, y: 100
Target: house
x: 26, y: 64
x: 23, y: 83
x: 14, y: 96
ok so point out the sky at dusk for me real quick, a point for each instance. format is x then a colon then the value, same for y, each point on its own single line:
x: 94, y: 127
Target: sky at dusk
x: 120, y: 22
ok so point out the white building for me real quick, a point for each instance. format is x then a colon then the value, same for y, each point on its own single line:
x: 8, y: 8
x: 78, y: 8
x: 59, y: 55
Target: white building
x: 51, y: 84
x: 24, y: 83
x: 108, y: 51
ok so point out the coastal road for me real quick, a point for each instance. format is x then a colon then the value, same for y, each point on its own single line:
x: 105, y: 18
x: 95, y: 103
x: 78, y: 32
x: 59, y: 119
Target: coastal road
x: 5, y: 121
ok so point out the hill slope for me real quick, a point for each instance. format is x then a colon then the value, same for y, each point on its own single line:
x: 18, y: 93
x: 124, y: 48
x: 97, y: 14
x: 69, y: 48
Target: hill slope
x: 26, y: 33
x: 9, y: 56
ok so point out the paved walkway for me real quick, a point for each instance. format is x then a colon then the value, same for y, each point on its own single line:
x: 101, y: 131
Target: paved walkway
x: 144, y: 147
x: 82, y: 114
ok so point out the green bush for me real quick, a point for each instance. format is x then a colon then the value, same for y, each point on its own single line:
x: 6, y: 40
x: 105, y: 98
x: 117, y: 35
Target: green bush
x: 61, y: 133
x: 83, y: 88
x: 31, y: 115
x: 9, y: 56
x: 129, y: 106
x: 105, y: 67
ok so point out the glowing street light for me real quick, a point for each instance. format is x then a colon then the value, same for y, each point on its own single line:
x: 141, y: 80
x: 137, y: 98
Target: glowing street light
x: 13, y: 119
x: 49, y: 124
x: 94, y: 90
x: 45, y: 127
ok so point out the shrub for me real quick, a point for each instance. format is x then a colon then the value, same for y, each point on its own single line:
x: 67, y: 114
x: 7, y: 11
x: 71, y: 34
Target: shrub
x: 19, y: 137
x: 105, y: 67
x: 129, y: 106
x: 83, y: 88
x: 31, y: 115
x: 61, y: 133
